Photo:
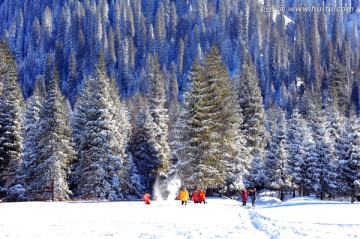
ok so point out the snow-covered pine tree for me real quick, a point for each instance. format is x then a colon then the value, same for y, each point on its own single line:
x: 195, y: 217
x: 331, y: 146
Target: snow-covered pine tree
x: 339, y: 87
x: 55, y: 144
x: 130, y: 183
x: 120, y: 119
x: 236, y: 154
x: 184, y: 149
x: 349, y: 164
x: 301, y: 153
x: 78, y: 122
x: 251, y: 104
x: 98, y: 173
x: 157, y: 100
x: 145, y: 156
x: 324, y: 163
x: 211, y: 123
x: 342, y: 150
x: 293, y: 138
x: 276, y: 154
x: 334, y: 122
x: 11, y: 109
x: 256, y: 175
x: 71, y: 84
x: 173, y: 102
x: 335, y: 126
x: 31, y: 126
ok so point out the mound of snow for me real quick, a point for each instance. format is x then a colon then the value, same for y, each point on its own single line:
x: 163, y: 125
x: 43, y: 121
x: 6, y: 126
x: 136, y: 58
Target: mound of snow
x: 266, y: 200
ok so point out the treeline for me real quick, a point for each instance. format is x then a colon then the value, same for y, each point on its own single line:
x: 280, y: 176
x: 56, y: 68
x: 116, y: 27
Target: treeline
x: 222, y: 139
x: 127, y: 92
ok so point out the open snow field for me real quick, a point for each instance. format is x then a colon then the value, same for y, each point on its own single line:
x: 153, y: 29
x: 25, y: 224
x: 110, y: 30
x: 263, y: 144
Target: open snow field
x: 302, y: 217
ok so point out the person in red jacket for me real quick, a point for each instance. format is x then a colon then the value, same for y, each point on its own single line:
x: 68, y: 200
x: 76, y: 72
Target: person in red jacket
x: 244, y: 196
x: 194, y: 196
x: 201, y: 196
x: 146, y: 198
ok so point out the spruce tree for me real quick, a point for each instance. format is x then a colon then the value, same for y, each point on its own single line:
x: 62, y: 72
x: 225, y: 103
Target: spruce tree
x: 256, y: 177
x: 11, y: 109
x: 157, y: 100
x: 334, y: 123
x: 73, y: 75
x: 142, y: 147
x: 339, y: 87
x: 211, y: 121
x: 131, y: 181
x: 55, y: 144
x: 276, y: 154
x: 251, y: 104
x: 184, y: 149
x: 301, y: 154
x: 121, y: 123
x: 98, y: 173
x: 32, y: 137
x: 349, y: 164
x: 294, y: 139
x: 324, y: 163
x: 120, y: 119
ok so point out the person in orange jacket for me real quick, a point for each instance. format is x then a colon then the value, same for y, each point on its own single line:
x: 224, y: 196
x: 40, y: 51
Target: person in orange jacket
x: 184, y: 196
x: 146, y: 198
x: 194, y: 196
x: 201, y: 196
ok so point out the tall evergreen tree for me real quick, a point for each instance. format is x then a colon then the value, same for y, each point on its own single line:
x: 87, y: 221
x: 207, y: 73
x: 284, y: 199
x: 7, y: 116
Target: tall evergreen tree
x: 56, y: 148
x: 349, y: 164
x: 276, y: 155
x: 130, y: 183
x: 71, y: 83
x: 301, y: 154
x: 157, y: 100
x: 256, y: 177
x: 120, y: 119
x: 98, y: 173
x: 339, y: 87
x: 32, y: 137
x: 211, y: 129
x: 143, y: 148
x: 294, y: 140
x: 251, y: 104
x: 324, y: 163
x: 11, y: 107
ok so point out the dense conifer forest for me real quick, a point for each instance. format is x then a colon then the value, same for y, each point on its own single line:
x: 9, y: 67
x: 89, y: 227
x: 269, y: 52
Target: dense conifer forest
x: 105, y: 98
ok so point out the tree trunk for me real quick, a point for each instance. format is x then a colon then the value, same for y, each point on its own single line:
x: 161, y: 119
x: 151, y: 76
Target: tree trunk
x: 352, y: 196
x: 294, y: 192
x: 209, y: 192
x: 281, y: 195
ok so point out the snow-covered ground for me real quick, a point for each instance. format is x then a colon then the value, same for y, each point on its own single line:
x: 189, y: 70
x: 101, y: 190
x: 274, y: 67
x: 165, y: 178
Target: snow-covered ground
x: 302, y: 217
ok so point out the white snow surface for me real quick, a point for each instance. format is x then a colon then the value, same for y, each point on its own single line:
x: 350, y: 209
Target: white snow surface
x: 302, y: 217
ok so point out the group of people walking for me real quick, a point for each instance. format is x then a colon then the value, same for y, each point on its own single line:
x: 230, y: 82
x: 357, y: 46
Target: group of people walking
x: 245, y: 194
x: 198, y: 196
